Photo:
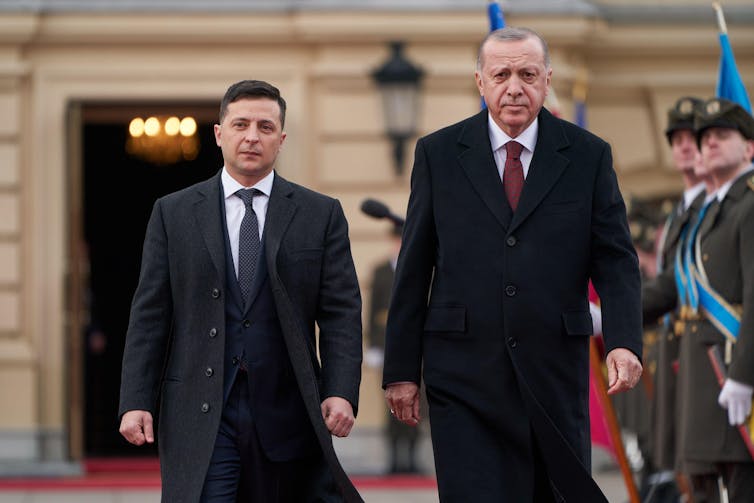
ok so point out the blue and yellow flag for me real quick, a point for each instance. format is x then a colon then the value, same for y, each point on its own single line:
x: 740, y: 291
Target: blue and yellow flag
x: 729, y: 83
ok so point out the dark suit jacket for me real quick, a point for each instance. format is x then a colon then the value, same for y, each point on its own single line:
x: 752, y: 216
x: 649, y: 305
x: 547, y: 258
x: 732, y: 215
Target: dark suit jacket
x: 177, y: 326
x: 494, y: 304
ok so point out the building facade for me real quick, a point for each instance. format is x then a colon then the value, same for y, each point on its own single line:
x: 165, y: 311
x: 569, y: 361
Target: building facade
x: 58, y: 58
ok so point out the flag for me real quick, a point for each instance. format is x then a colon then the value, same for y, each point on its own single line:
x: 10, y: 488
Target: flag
x: 729, y: 83
x: 495, y: 13
x: 599, y: 428
x: 497, y: 21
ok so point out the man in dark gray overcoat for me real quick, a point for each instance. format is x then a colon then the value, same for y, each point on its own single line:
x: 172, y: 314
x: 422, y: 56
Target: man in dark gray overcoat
x: 221, y: 349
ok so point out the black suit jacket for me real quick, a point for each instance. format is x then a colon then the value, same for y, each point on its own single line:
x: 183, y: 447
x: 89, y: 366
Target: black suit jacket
x: 177, y: 326
x: 494, y: 304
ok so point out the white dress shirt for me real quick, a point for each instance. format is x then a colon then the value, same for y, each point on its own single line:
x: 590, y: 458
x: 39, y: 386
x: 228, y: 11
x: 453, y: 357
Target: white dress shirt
x: 498, y: 139
x: 235, y: 208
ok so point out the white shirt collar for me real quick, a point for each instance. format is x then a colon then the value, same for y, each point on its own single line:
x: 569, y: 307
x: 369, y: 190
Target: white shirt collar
x: 692, y: 193
x: 724, y: 188
x: 498, y: 137
x: 231, y: 185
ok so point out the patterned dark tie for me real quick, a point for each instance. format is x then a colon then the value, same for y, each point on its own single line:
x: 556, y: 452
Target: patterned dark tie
x: 513, y: 174
x: 248, y: 243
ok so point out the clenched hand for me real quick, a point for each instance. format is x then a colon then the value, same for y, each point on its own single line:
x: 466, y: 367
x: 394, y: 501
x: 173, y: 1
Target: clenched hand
x: 623, y: 370
x: 338, y: 415
x: 136, y: 427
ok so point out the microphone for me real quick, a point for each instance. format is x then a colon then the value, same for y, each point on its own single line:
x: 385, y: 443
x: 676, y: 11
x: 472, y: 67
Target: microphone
x: 377, y: 209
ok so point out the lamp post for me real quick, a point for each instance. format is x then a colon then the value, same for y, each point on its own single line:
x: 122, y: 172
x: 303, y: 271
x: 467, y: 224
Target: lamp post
x: 398, y: 80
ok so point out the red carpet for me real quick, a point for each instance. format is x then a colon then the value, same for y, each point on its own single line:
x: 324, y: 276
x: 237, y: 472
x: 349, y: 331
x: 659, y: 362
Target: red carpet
x: 144, y: 473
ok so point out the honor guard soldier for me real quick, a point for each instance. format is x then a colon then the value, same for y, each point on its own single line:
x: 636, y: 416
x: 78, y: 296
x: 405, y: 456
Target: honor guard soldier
x: 719, y: 315
x: 660, y: 296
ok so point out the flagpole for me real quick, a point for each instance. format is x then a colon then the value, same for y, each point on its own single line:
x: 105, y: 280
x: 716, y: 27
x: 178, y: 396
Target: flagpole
x: 720, y: 17
x: 612, y: 423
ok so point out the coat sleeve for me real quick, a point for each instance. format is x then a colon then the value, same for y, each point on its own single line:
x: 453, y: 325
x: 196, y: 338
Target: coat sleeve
x: 659, y: 295
x: 614, y: 264
x: 742, y: 366
x: 339, y: 314
x: 413, y: 276
x: 149, y: 324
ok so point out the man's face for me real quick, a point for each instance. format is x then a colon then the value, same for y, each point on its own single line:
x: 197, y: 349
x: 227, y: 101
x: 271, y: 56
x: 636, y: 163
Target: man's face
x: 514, y: 82
x: 683, y: 146
x: 250, y: 137
x: 724, y: 151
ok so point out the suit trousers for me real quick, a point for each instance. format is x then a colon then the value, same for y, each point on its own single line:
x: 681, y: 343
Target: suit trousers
x: 240, y: 471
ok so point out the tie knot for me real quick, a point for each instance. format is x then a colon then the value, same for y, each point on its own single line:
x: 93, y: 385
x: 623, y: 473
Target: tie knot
x: 247, y: 195
x: 513, y: 148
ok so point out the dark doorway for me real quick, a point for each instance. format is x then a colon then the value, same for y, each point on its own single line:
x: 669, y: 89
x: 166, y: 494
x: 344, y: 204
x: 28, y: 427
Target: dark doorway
x: 118, y: 191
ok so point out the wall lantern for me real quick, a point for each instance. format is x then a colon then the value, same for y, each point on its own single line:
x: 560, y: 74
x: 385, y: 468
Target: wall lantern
x: 399, y: 80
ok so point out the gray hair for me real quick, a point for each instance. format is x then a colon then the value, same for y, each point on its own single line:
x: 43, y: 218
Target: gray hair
x: 512, y: 33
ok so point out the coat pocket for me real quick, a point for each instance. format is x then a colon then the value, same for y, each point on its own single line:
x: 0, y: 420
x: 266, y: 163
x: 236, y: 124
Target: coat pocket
x: 445, y: 319
x: 577, y: 323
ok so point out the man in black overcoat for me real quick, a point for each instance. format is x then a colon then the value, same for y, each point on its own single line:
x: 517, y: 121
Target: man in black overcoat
x: 491, y: 289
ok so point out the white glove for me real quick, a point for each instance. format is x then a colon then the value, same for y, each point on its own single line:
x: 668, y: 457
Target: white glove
x: 373, y: 357
x: 736, y: 397
x: 596, y: 313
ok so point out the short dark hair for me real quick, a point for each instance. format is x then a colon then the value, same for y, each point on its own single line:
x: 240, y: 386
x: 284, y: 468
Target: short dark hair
x: 513, y: 33
x: 252, y: 89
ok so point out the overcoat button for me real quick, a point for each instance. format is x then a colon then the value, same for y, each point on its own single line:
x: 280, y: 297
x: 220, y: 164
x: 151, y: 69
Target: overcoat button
x: 213, y: 332
x: 512, y: 342
x: 510, y: 290
x: 511, y: 241
x: 205, y: 407
x: 209, y: 372
x: 234, y: 360
x: 215, y: 293
x: 246, y: 323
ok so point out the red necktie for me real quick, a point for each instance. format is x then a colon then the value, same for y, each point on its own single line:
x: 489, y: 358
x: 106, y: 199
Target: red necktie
x: 513, y: 174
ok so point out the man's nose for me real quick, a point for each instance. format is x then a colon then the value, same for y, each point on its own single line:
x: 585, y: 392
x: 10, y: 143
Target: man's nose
x: 514, y: 86
x: 252, y: 135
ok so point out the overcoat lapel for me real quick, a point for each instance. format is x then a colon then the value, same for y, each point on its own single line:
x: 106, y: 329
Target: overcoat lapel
x: 209, y: 220
x: 709, y: 219
x: 546, y: 167
x: 279, y: 214
x: 478, y: 163
x: 677, y: 221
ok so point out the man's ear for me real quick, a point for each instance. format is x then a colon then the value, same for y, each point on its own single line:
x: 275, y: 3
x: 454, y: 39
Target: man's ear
x: 478, y: 79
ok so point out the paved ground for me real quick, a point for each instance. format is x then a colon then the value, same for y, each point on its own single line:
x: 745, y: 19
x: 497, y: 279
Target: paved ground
x: 610, y: 482
x: 364, y: 454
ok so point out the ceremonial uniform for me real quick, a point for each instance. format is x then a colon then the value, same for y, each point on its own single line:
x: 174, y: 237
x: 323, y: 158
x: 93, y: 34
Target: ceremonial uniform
x: 660, y: 299
x: 724, y: 257
x: 657, y: 295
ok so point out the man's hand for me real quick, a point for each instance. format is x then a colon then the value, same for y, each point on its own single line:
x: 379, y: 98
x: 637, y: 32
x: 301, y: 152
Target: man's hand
x: 403, y: 401
x: 623, y: 370
x: 136, y: 427
x: 338, y: 415
x: 736, y: 397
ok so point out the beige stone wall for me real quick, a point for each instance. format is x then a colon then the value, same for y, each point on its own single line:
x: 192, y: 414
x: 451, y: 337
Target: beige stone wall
x: 321, y: 61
